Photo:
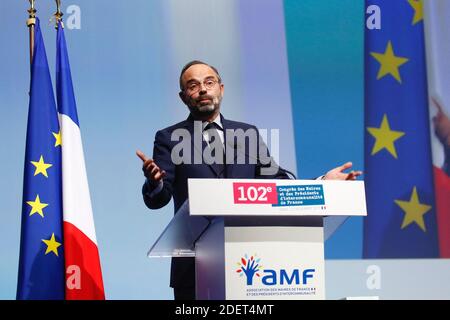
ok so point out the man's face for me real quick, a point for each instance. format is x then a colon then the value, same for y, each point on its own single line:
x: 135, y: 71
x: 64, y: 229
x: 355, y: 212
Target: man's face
x: 202, y: 91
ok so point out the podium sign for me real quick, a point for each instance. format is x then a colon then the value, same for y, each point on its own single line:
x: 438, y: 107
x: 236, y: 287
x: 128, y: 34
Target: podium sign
x: 276, y: 197
x: 271, y: 263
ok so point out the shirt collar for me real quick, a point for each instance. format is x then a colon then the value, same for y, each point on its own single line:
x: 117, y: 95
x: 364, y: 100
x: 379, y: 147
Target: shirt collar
x: 217, y: 120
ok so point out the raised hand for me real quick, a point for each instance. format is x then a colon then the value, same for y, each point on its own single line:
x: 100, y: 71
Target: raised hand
x: 338, y: 174
x: 153, y: 173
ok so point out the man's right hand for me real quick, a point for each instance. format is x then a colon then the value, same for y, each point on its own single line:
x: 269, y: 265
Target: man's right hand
x: 153, y: 173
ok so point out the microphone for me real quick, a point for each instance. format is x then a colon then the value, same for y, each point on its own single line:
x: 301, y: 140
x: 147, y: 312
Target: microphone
x: 288, y: 172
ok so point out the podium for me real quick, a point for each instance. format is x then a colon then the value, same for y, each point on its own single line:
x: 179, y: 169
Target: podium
x: 258, y: 239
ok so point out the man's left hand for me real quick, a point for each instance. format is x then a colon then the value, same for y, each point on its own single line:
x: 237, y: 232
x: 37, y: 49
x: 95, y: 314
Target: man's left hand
x: 338, y: 174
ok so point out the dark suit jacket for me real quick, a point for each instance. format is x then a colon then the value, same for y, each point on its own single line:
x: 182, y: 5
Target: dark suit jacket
x: 175, y: 182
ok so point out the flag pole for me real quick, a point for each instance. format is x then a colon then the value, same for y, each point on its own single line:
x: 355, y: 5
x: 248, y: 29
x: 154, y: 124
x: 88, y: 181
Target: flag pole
x: 31, y: 21
x: 58, y: 14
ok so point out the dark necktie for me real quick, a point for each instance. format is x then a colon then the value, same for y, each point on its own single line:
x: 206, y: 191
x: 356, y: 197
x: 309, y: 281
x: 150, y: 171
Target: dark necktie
x: 213, y: 130
x: 213, y: 133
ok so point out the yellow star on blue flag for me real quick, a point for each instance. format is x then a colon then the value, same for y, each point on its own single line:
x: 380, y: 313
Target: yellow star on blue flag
x: 389, y: 63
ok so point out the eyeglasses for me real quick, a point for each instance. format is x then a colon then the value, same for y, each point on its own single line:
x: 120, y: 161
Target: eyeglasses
x: 194, y: 86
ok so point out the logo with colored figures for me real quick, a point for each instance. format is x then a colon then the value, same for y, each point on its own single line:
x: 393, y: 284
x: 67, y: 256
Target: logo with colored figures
x: 249, y: 267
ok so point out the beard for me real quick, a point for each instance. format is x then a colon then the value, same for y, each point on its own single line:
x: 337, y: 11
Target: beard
x: 204, y: 106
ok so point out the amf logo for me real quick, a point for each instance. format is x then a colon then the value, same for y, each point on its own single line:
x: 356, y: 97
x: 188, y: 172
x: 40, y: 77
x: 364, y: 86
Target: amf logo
x: 249, y: 267
x: 270, y: 277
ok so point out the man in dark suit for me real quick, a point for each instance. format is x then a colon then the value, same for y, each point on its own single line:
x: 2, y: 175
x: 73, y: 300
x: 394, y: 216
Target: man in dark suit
x: 205, y: 133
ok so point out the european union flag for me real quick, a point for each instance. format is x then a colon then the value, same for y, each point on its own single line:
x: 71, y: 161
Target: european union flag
x: 401, y: 221
x: 41, y: 265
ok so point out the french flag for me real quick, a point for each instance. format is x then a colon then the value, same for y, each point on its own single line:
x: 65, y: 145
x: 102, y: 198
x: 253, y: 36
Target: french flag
x: 82, y: 262
x: 437, y: 15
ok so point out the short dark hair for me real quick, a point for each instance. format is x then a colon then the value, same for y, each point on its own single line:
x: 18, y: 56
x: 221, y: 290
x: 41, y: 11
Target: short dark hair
x: 192, y: 63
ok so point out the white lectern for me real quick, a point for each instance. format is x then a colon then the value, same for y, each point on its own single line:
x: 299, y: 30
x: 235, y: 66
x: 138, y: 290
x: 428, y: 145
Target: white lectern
x: 259, y: 239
